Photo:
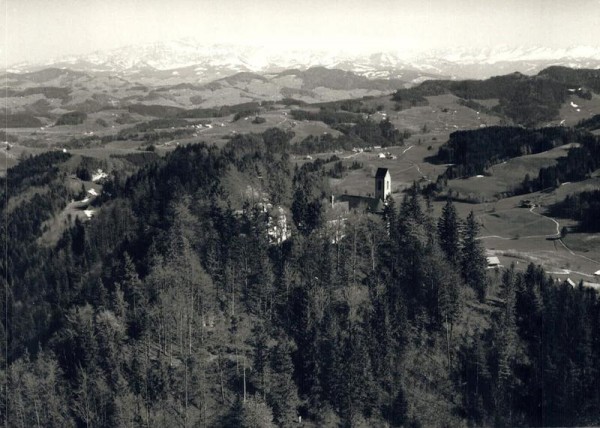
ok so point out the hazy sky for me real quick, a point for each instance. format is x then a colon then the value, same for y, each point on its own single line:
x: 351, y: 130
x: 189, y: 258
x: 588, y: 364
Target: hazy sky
x: 37, y: 30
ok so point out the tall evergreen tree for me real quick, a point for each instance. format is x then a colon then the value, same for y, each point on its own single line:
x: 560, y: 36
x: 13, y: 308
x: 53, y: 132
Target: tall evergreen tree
x: 449, y: 233
x: 283, y: 394
x: 473, y: 259
x: 505, y: 339
x: 136, y: 296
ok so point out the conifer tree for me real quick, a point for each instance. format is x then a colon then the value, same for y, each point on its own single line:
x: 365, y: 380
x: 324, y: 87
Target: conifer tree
x: 449, y: 234
x: 505, y: 339
x: 135, y: 295
x: 473, y: 259
x: 283, y: 394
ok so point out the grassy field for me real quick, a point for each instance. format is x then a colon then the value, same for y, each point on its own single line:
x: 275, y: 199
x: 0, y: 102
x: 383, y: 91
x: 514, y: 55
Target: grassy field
x: 7, y: 160
x: 430, y: 126
x: 517, y: 235
x: 516, y: 223
x: 10, y: 158
x: 570, y: 115
x: 443, y: 115
x: 408, y: 167
x: 304, y: 129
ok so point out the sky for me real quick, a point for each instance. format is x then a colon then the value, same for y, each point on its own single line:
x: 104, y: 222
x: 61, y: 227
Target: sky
x: 39, y: 30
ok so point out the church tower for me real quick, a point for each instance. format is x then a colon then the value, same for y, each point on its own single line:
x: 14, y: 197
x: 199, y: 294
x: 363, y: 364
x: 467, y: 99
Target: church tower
x: 383, y: 184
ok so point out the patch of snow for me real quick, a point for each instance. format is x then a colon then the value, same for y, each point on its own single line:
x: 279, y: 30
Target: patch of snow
x: 93, y: 192
x: 89, y: 213
x: 578, y: 109
x: 99, y: 175
x: 574, y: 105
x: 479, y: 176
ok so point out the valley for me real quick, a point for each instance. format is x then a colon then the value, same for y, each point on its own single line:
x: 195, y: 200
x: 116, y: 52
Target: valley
x: 249, y: 206
x: 108, y: 132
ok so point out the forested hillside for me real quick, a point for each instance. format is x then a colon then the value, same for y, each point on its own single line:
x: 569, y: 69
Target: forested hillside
x: 472, y: 152
x: 173, y: 308
x: 523, y: 100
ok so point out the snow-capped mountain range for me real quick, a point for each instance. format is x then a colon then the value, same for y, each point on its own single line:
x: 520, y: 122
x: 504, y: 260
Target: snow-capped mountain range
x: 185, y: 59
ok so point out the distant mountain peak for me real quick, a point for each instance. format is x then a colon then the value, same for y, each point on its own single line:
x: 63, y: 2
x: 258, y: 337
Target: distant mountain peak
x: 221, y: 60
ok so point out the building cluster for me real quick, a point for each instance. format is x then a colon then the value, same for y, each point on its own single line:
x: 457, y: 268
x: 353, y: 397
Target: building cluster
x: 339, y: 207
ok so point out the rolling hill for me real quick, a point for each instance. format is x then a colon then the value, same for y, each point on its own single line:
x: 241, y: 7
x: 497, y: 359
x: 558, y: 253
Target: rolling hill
x: 521, y: 99
x: 52, y: 92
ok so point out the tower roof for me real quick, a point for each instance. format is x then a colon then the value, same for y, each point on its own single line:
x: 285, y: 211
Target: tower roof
x: 381, y: 172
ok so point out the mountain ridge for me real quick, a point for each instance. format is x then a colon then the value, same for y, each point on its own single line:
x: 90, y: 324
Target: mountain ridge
x: 169, y: 59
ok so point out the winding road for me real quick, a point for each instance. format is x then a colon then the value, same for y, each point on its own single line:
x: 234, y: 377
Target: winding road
x: 556, y: 235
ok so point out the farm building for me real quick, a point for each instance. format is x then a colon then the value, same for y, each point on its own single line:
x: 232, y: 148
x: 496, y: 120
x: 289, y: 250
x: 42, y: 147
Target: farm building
x: 493, y: 261
x: 383, y: 189
x: 593, y: 285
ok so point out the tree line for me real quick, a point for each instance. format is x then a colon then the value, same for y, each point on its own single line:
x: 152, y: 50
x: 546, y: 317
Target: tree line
x: 583, y: 207
x: 581, y: 161
x: 472, y: 152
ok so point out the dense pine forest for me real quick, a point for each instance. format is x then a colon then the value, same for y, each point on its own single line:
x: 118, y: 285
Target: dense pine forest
x: 173, y: 307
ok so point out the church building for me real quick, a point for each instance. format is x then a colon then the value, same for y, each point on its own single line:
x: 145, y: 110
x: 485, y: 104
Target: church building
x: 376, y: 204
x: 383, y: 184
